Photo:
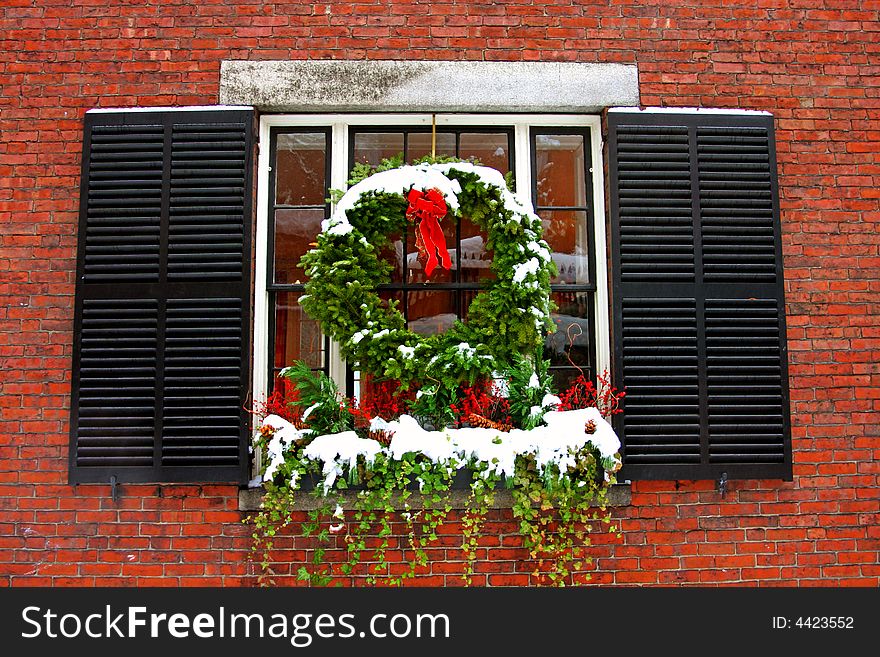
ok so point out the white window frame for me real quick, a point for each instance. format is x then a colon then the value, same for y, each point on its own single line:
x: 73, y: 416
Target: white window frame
x: 340, y: 124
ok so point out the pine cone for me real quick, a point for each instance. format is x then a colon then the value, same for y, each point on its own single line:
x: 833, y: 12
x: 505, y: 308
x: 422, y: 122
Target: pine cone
x: 381, y: 437
x: 480, y: 422
x: 590, y: 426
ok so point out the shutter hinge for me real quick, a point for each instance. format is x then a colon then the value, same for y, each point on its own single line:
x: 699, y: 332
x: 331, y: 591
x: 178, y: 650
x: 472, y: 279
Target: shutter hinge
x: 722, y: 484
x: 114, y: 488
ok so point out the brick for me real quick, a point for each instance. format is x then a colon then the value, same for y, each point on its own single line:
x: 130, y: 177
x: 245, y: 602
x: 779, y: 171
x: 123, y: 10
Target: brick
x: 508, y: 580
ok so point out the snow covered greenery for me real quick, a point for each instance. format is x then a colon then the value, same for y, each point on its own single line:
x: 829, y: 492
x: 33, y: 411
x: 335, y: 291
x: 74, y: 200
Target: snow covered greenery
x: 556, y: 459
x: 476, y: 400
x: 508, y: 318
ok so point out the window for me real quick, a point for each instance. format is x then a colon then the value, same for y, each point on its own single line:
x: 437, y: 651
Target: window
x: 549, y: 157
x: 562, y: 197
x: 162, y: 360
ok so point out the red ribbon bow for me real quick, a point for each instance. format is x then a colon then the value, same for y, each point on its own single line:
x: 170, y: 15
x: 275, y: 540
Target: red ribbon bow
x: 428, y: 208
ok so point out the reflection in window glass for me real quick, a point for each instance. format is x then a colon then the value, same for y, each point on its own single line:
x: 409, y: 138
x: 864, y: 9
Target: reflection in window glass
x: 373, y: 147
x: 298, y: 205
x: 559, y: 171
x: 430, y: 312
x: 300, y: 168
x: 467, y: 297
x: 564, y: 377
x: 295, y: 229
x: 566, y: 233
x: 297, y: 337
x: 570, y: 349
x: 475, y: 258
x: 392, y: 253
x: 419, y: 145
x: 491, y: 149
x: 571, y: 341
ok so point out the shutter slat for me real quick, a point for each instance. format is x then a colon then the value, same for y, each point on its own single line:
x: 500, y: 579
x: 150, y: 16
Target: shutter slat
x: 695, y: 221
x: 744, y: 203
x: 160, y: 377
x: 660, y: 333
x: 755, y: 418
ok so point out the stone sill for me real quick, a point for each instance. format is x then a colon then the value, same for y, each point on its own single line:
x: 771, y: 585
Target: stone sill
x: 249, y: 499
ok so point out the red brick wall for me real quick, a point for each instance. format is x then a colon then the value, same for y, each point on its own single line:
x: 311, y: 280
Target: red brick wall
x: 811, y: 63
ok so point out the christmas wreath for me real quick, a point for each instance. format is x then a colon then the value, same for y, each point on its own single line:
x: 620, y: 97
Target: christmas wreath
x: 506, y: 320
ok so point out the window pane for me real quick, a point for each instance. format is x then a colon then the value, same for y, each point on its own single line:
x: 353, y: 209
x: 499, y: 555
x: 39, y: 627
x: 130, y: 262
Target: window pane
x: 431, y: 312
x: 300, y: 168
x: 416, y: 265
x: 567, y: 233
x: 475, y: 259
x: 295, y: 230
x: 297, y: 337
x: 390, y: 296
x: 564, y: 377
x: 393, y: 253
x: 559, y: 168
x: 491, y: 149
x: 570, y: 344
x: 465, y: 299
x: 419, y: 144
x: 373, y: 147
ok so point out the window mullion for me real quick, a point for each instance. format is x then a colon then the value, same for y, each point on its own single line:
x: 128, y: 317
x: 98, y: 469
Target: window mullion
x: 522, y: 160
x: 338, y: 180
x: 602, y: 317
x: 262, y: 346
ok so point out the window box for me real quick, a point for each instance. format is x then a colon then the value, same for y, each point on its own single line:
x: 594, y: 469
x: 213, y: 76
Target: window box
x: 249, y: 499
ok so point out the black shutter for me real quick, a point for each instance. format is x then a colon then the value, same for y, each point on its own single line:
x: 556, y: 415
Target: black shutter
x: 699, y: 314
x: 161, y: 362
